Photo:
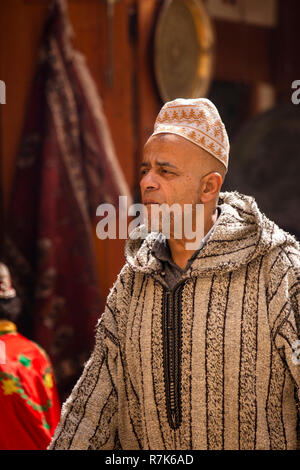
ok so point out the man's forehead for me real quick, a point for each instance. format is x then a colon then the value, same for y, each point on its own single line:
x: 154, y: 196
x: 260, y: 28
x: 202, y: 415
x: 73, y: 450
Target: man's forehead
x: 171, y: 148
x: 162, y: 155
x: 165, y: 146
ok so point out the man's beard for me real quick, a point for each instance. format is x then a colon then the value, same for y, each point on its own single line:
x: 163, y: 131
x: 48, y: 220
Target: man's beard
x: 176, y: 221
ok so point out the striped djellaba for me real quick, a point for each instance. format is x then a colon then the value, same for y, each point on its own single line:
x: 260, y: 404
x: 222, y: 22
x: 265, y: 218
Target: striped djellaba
x: 213, y: 364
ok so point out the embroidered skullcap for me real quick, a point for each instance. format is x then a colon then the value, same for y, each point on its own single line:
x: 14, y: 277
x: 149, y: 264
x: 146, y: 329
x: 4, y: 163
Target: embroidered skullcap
x: 196, y: 120
x: 6, y: 289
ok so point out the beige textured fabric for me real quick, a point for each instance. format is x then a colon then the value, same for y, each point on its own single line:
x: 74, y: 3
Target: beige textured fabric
x: 197, y: 120
x: 234, y: 326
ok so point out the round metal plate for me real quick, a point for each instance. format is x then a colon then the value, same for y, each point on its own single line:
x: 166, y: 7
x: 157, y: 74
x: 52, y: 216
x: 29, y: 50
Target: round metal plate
x: 183, y: 50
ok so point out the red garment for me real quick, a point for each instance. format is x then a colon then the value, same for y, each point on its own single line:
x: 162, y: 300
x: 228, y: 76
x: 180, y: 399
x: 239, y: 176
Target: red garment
x: 29, y: 403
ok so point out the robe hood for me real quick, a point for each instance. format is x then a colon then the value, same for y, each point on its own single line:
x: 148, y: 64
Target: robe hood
x: 241, y: 234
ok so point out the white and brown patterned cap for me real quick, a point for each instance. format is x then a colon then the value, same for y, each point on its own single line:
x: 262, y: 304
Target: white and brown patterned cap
x: 197, y: 120
x: 6, y: 289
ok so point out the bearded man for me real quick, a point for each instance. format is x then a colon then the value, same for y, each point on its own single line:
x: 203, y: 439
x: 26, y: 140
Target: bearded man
x: 196, y: 349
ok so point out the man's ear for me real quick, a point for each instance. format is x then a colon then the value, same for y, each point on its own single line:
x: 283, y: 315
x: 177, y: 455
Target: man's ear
x: 210, y: 186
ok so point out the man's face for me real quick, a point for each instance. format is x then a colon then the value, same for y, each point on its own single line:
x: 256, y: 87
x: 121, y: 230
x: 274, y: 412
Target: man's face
x: 170, y: 171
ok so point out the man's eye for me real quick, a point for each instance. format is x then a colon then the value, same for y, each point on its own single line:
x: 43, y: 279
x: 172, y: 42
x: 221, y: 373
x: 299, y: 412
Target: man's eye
x: 143, y: 172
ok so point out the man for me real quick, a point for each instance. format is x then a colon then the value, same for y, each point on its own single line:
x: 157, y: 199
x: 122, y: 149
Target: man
x: 195, y: 350
x: 29, y: 402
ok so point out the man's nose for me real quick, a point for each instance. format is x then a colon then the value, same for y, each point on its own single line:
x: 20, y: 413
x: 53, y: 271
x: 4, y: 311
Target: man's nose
x: 149, y: 182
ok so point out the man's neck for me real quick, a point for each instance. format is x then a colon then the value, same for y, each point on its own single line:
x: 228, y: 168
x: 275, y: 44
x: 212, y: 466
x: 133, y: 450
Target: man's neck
x: 179, y: 254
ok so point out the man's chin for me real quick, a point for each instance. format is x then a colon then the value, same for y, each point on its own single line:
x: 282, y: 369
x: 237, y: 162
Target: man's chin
x: 165, y: 229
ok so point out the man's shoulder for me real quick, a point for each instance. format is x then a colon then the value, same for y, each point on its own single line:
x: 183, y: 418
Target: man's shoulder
x: 288, y: 254
x: 283, y: 264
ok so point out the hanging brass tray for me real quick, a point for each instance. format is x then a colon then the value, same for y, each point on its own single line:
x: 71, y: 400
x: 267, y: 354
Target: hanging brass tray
x: 183, y: 50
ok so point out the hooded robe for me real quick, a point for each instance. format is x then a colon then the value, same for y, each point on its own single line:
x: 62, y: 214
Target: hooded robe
x: 212, y: 364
